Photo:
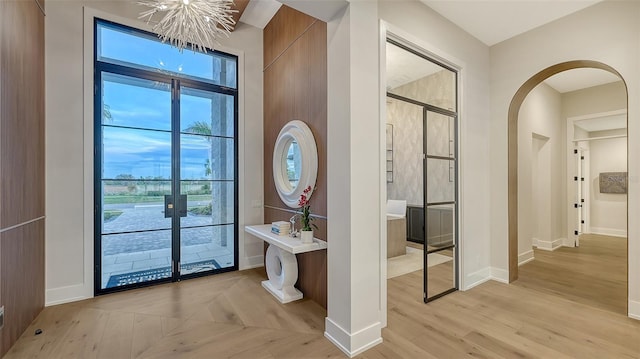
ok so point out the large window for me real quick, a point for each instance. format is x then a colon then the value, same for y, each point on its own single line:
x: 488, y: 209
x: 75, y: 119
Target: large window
x: 166, y: 188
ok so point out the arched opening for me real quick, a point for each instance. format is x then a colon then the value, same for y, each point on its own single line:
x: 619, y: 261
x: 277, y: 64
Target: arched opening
x: 513, y: 114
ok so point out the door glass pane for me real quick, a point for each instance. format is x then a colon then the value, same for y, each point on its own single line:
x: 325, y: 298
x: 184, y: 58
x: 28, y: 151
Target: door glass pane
x: 134, y: 102
x: 417, y: 78
x: 440, y: 180
x: 440, y: 271
x: 440, y: 226
x: 134, y: 205
x: 206, y: 113
x: 135, y: 154
x: 440, y: 135
x: 133, y: 258
x: 207, y: 174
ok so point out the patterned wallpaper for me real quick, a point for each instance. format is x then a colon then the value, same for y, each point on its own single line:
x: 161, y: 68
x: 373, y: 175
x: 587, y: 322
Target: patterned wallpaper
x: 407, y: 121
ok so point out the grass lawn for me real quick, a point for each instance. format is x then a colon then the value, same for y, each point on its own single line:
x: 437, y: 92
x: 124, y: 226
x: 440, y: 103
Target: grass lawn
x: 119, y: 199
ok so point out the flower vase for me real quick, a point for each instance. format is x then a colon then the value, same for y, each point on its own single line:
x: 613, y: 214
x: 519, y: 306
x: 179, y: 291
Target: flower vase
x: 306, y: 236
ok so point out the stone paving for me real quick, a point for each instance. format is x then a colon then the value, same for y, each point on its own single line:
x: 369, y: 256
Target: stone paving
x: 132, y: 252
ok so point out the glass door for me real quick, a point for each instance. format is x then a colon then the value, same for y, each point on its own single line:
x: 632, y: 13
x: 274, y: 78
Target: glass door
x: 440, y: 173
x: 207, y: 181
x: 133, y: 176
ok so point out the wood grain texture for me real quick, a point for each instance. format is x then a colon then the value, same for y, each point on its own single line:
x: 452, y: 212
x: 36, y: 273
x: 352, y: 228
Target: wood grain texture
x: 514, y: 109
x: 231, y: 316
x: 21, y: 112
x: 295, y: 88
x: 283, y: 30
x: 22, y: 268
x: 239, y: 5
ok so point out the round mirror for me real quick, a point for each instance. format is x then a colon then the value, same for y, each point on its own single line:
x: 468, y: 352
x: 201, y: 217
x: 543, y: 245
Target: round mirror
x: 295, y: 162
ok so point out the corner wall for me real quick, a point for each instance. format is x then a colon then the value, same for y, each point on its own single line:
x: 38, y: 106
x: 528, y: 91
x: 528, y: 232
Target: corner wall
x: 295, y: 88
x: 21, y: 167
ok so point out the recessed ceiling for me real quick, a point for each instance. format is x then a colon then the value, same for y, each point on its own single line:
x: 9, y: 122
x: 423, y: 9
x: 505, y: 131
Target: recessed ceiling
x: 577, y: 79
x: 495, y: 21
x: 259, y: 12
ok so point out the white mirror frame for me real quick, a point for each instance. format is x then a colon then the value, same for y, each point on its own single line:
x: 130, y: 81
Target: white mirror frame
x: 301, y: 133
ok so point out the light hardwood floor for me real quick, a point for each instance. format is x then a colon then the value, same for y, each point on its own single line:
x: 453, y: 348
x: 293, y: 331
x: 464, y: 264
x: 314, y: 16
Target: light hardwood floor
x: 594, y: 273
x: 232, y: 316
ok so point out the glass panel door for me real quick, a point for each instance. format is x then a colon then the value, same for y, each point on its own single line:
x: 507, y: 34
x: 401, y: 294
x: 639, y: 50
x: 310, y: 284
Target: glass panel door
x: 133, y: 173
x: 440, y: 173
x: 207, y: 175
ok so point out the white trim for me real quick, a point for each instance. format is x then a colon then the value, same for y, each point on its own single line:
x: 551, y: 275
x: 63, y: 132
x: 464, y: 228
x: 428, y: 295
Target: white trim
x: 66, y: 294
x: 548, y: 245
x: 356, y: 343
x: 251, y: 262
x: 634, y: 310
x: 525, y: 257
x: 569, y: 242
x: 382, y: 73
x: 613, y: 232
x: 500, y: 275
x: 476, y: 278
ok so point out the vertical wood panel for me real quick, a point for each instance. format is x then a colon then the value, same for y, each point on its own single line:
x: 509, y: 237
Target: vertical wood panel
x: 295, y: 88
x: 22, y: 113
x: 21, y: 165
x: 22, y: 266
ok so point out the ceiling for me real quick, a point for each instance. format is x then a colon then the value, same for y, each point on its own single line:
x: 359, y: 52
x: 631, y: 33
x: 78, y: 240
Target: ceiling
x: 493, y: 21
x: 611, y: 122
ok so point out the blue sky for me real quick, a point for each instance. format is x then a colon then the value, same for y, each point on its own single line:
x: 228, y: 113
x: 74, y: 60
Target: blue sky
x: 146, y: 105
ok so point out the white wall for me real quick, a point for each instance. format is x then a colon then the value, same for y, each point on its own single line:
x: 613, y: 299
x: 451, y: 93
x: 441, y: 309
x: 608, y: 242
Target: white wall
x: 69, y: 160
x: 608, y: 32
x: 424, y: 27
x: 608, y: 211
x: 540, y: 191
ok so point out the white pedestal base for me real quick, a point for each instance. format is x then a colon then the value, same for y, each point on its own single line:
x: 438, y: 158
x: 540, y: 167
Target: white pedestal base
x: 282, y: 270
x: 284, y: 295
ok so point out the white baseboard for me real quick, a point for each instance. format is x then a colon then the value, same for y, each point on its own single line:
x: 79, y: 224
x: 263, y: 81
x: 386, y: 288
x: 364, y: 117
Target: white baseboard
x: 500, y: 275
x: 548, y: 245
x: 525, y: 257
x: 634, y: 310
x: 476, y: 278
x: 613, y: 232
x: 356, y: 343
x: 568, y: 242
x: 61, y: 295
x: 252, y: 262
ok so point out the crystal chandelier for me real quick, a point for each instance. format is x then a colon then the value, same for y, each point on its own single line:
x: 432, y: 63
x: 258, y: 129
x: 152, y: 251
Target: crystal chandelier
x: 195, y: 23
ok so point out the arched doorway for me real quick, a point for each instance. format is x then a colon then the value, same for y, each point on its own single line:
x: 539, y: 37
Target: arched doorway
x: 514, y: 109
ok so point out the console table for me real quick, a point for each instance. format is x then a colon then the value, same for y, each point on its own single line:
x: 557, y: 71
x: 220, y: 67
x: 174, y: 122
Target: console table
x: 280, y: 261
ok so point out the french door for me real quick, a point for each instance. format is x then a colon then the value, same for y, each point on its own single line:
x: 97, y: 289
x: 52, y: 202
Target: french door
x: 165, y: 178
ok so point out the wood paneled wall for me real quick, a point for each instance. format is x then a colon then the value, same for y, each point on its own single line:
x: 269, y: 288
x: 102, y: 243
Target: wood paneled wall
x: 21, y: 166
x: 295, y: 88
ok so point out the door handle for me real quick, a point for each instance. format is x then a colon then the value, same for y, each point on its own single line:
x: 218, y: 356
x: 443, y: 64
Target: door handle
x: 183, y: 205
x: 168, y: 206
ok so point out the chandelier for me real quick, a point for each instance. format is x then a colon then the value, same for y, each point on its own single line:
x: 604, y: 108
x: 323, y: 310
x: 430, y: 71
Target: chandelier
x: 194, y: 23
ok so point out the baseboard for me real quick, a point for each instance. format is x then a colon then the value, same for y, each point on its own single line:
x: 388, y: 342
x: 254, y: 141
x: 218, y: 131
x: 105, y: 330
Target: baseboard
x: 525, y: 257
x: 500, y: 275
x: 252, y: 262
x: 476, y: 278
x: 61, y: 295
x: 568, y: 242
x: 356, y: 343
x: 634, y: 310
x: 549, y: 245
x: 613, y: 232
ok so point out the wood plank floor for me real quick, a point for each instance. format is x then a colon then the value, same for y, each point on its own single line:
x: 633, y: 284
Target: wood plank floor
x: 232, y: 316
x: 594, y: 273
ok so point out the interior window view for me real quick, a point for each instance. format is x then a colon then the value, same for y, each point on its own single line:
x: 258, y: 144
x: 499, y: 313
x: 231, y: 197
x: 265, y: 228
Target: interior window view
x: 319, y: 179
